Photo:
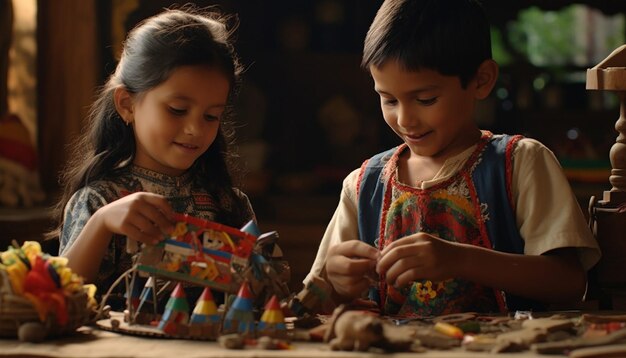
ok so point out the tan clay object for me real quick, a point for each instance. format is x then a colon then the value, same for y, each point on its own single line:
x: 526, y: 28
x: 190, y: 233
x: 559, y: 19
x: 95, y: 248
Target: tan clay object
x: 356, y: 331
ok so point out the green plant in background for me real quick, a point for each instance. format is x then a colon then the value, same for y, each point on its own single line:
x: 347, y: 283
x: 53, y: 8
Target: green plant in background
x: 617, y: 37
x: 544, y: 37
x: 557, y: 38
x: 500, y: 53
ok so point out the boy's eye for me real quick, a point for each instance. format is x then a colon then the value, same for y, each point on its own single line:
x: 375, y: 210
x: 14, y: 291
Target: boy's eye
x: 428, y: 101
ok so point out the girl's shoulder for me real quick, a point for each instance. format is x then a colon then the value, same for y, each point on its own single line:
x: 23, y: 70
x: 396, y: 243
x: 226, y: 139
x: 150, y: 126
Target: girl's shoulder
x: 107, y: 189
x: 243, y: 197
x: 101, y: 190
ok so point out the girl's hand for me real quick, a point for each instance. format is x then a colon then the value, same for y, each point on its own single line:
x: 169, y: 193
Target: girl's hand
x: 420, y: 256
x: 350, y: 268
x: 141, y: 216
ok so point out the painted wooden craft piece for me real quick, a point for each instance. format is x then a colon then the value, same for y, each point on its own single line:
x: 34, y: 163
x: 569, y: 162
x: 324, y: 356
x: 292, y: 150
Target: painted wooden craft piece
x: 201, y: 252
x: 147, y: 299
x: 176, y: 312
x: 205, y: 320
x: 272, y: 321
x: 240, y: 317
x: 205, y: 310
x: 210, y: 255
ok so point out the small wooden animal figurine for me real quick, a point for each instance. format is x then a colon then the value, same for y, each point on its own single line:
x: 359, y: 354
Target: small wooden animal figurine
x: 205, y: 320
x: 240, y: 318
x: 356, y: 331
x: 272, y: 321
x: 176, y: 312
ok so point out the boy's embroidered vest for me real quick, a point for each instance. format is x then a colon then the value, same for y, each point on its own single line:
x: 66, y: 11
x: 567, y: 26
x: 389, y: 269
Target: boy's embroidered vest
x: 474, y: 206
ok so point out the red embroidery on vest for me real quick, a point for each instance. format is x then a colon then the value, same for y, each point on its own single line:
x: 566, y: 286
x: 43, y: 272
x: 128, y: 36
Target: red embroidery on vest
x: 358, y: 182
x: 509, y: 168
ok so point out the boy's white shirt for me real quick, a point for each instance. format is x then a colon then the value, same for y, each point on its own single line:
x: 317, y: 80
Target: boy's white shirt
x: 557, y: 222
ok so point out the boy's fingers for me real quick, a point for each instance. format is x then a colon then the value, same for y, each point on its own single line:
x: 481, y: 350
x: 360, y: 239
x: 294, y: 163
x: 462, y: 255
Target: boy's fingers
x: 355, y: 248
x: 411, y: 239
x: 400, y: 256
x: 350, y: 286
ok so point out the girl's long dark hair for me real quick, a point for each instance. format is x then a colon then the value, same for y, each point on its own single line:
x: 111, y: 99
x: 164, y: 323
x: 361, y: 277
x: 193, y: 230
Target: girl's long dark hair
x: 153, y: 49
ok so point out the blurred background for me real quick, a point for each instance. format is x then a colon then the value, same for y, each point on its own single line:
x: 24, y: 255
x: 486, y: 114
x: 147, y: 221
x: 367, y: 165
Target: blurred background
x: 307, y: 112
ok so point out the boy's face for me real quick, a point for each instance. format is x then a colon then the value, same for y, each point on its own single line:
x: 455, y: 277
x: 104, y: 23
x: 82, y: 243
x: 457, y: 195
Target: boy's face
x: 431, y: 112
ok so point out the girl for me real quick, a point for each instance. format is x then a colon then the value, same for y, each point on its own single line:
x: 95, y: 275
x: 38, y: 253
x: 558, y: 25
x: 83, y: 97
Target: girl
x: 157, y: 144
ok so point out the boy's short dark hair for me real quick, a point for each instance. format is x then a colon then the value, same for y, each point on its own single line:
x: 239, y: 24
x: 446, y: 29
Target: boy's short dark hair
x: 449, y: 36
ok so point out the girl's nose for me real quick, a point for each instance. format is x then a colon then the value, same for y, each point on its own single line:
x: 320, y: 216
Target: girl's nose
x: 193, y: 126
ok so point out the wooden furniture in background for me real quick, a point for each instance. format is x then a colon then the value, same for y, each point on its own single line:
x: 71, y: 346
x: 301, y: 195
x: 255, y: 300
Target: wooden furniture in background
x: 68, y: 68
x: 608, y: 216
x: 26, y: 225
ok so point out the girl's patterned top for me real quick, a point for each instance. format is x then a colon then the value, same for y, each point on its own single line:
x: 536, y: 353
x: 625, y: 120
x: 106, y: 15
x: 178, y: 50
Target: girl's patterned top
x: 184, y: 193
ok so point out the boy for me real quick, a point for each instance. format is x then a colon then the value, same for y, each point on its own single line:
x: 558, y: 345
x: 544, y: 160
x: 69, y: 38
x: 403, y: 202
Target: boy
x: 454, y: 219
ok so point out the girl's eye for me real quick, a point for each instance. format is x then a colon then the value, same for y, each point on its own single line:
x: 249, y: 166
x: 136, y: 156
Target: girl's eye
x: 428, y: 101
x: 389, y: 102
x: 177, y: 111
x: 211, y: 118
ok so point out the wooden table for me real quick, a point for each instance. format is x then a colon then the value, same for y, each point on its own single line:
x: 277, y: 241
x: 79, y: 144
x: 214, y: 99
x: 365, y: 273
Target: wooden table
x: 95, y: 343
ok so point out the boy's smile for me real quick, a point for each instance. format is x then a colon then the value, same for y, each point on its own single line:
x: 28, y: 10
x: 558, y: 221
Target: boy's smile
x: 431, y: 112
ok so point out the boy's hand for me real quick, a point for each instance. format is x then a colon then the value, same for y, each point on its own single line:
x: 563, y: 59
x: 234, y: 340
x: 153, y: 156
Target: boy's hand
x: 419, y: 256
x: 350, y: 268
x: 141, y: 216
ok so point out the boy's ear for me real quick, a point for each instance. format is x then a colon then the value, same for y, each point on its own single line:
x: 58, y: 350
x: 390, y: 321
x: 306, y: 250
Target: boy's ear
x: 124, y: 104
x: 486, y: 78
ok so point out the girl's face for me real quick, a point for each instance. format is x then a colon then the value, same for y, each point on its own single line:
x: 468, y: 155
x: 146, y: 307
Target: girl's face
x: 431, y: 112
x: 177, y: 121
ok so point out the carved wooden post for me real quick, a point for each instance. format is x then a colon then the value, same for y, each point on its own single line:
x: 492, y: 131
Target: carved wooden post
x: 608, y: 216
x: 6, y: 34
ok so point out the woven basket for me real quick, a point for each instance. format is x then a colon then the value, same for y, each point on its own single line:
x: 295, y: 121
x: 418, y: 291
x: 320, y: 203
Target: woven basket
x: 16, y: 310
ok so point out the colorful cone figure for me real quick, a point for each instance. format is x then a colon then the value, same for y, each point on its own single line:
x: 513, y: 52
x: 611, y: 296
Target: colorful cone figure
x: 240, y: 318
x: 205, y: 320
x: 272, y: 321
x: 176, y: 312
x: 146, y: 310
x: 147, y: 294
x: 137, y: 283
x: 251, y: 228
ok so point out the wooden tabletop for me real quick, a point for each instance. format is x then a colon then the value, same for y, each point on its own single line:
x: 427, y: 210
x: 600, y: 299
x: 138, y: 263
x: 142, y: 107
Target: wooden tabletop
x: 94, y: 343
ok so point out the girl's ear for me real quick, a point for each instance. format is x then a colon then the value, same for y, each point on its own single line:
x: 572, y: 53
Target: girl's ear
x: 124, y: 104
x: 486, y: 78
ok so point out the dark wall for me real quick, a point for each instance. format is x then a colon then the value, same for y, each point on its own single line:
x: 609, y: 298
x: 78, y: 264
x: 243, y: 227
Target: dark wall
x: 308, y: 113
